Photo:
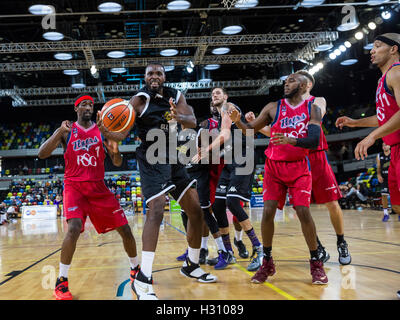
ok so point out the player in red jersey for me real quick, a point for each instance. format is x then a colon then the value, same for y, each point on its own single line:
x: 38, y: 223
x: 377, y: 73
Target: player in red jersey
x: 385, y: 54
x: 325, y: 189
x: 85, y: 193
x: 295, y: 128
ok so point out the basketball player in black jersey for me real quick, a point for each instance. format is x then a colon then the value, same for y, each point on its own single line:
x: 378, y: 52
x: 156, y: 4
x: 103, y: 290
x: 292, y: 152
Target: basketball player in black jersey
x: 155, y: 106
x: 232, y: 188
x: 382, y: 169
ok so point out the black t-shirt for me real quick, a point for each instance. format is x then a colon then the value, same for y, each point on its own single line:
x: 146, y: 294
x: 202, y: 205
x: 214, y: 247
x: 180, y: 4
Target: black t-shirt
x: 385, y: 162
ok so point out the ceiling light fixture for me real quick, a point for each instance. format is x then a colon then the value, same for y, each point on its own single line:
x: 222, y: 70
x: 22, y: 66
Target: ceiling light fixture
x: 246, y: 4
x: 53, y: 36
x: 116, y: 54
x: 222, y: 50
x: 348, y: 62
x: 71, y: 72
x: 40, y: 9
x: 118, y: 70
x: 169, y: 52
x: 311, y: 3
x: 63, y: 56
x: 109, y: 7
x: 212, y: 66
x: 232, y: 29
x: 178, y: 5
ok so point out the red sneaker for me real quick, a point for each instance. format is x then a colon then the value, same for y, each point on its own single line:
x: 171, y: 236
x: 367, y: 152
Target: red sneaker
x: 318, y: 272
x: 61, y: 292
x: 134, y: 273
x: 267, y: 269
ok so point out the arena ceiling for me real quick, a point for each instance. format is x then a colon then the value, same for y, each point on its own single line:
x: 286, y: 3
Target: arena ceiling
x: 275, y: 38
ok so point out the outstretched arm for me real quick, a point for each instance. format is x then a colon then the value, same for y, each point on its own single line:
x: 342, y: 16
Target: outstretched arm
x: 392, y: 125
x: 264, y: 118
x: 59, y: 137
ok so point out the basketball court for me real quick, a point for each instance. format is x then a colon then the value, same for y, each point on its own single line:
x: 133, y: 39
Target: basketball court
x: 100, y: 271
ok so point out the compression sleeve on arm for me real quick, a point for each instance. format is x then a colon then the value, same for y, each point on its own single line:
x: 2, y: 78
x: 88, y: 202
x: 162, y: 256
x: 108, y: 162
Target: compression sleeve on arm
x: 312, y: 140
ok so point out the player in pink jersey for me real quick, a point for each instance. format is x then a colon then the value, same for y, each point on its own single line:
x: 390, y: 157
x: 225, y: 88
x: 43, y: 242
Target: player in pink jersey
x: 295, y: 128
x: 385, y: 54
x: 85, y: 193
x: 325, y: 189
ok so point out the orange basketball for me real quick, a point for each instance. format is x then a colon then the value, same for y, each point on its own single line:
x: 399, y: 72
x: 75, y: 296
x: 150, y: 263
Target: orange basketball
x: 117, y: 115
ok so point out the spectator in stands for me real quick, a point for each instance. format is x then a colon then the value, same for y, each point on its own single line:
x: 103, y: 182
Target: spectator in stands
x: 3, y: 213
x: 11, y: 212
x: 355, y: 195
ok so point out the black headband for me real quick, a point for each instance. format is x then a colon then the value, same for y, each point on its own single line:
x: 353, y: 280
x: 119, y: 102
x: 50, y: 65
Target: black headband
x: 388, y: 41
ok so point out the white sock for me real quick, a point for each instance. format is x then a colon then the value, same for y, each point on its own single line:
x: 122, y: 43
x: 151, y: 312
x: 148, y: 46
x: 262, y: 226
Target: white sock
x: 133, y: 262
x: 204, y: 241
x: 64, y: 270
x: 238, y: 235
x: 147, y: 263
x: 220, y: 244
x: 386, y: 212
x: 194, y: 255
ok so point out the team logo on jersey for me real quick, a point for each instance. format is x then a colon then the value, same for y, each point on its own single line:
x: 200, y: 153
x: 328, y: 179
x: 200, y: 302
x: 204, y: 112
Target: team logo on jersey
x: 284, y: 110
x: 86, y: 160
x: 75, y: 132
x: 293, y: 121
x: 84, y: 144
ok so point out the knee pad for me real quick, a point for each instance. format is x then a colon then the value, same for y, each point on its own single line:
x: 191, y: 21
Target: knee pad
x: 211, y: 221
x: 234, y: 206
x: 219, y: 209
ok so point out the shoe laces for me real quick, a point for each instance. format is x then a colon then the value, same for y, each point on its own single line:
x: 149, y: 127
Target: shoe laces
x: 343, y: 249
x: 63, y: 287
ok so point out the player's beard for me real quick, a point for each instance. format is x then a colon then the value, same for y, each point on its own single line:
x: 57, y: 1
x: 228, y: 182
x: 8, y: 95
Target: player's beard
x: 292, y: 93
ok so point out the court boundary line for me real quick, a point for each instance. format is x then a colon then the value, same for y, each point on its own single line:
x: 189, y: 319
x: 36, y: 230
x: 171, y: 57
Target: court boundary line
x: 18, y: 272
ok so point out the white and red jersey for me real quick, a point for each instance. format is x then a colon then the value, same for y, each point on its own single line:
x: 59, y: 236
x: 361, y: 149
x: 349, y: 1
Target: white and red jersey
x: 85, y: 154
x: 292, y: 121
x: 323, y: 144
x: 386, y: 107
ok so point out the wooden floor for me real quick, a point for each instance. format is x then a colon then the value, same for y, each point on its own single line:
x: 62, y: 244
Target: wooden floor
x: 30, y: 252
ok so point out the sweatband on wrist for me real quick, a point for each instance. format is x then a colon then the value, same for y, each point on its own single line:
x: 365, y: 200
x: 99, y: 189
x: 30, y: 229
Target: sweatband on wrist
x: 312, y: 140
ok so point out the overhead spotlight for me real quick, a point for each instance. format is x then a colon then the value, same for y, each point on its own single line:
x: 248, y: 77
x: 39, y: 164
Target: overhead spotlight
x: 359, y: 35
x: 222, y: 50
x: 347, y: 44
x: 93, y: 70
x: 178, y: 5
x: 169, y: 52
x: 169, y: 68
x: 212, y: 66
x: 311, y: 3
x: 342, y: 48
x: 232, y: 29
x: 71, y: 72
x: 116, y: 54
x: 109, y: 7
x: 40, y: 9
x: 386, y: 15
x: 332, y: 56
x: 118, y: 70
x: 246, y: 4
x: 349, y: 62
x: 372, y: 25
x: 53, y: 36
x: 320, y: 65
x: 63, y: 56
x: 337, y: 52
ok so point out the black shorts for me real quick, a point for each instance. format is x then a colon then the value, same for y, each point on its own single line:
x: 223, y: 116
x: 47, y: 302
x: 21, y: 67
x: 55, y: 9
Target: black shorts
x: 203, y: 185
x: 385, y: 186
x: 158, y: 179
x: 232, y: 185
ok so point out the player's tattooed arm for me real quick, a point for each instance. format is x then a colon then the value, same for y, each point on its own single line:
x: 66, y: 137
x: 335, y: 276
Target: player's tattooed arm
x: 182, y: 113
x: 59, y: 137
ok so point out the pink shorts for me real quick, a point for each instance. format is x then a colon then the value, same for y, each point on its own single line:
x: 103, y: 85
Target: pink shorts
x: 93, y: 199
x: 281, y: 177
x: 324, y: 185
x: 394, y: 175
